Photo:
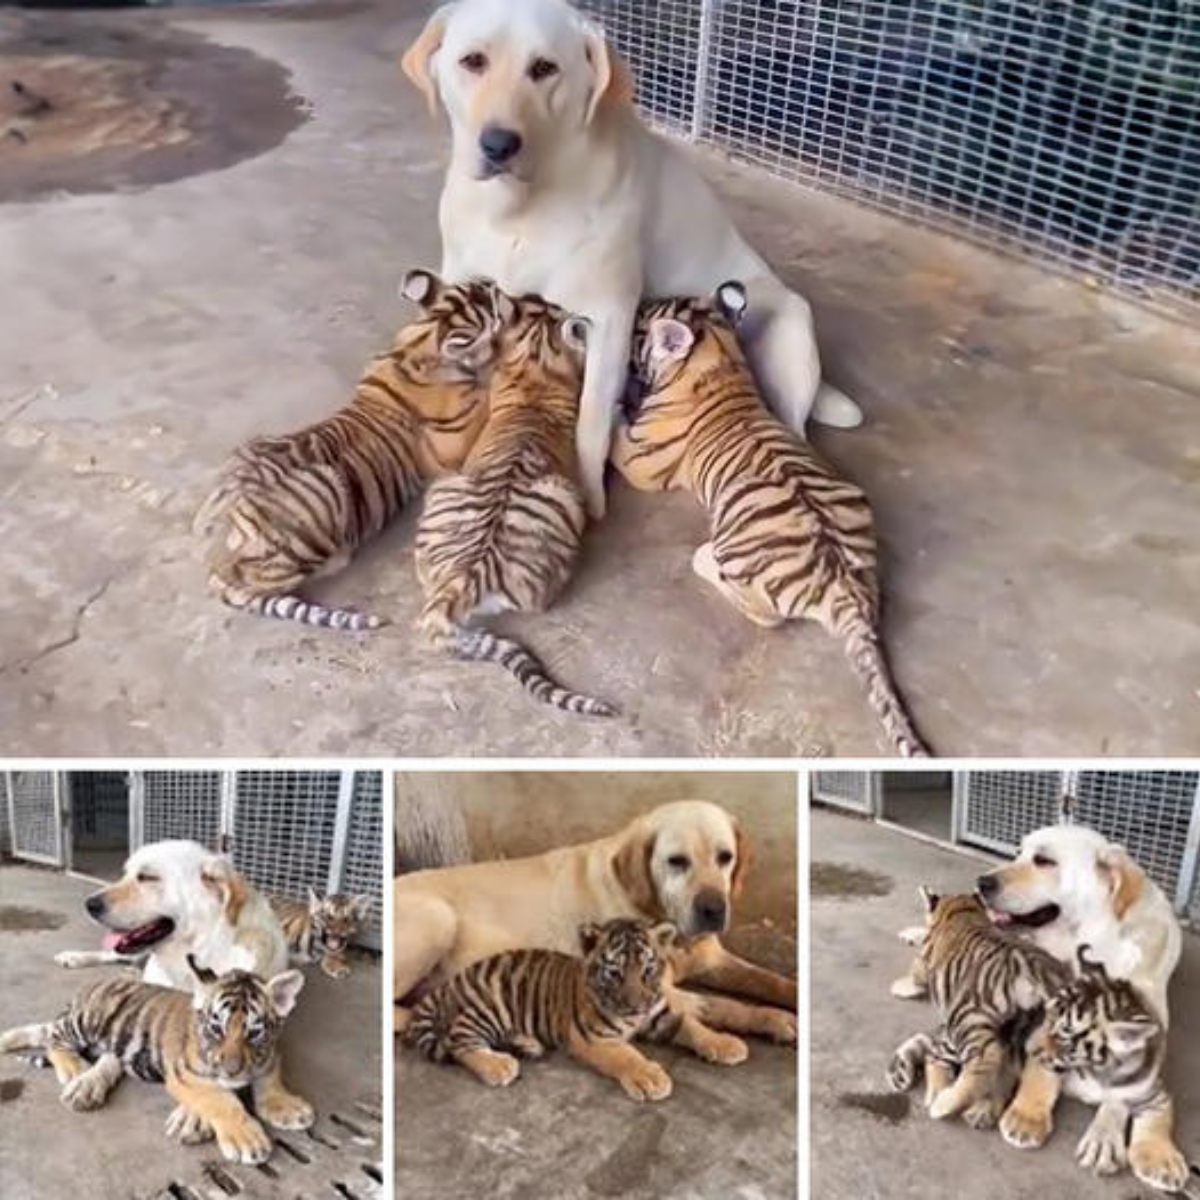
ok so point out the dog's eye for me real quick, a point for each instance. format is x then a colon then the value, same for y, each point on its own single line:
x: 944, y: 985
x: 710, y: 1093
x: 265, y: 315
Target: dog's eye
x: 1041, y: 860
x: 475, y: 62
x: 724, y: 858
x: 146, y: 877
x: 542, y: 68
x: 678, y: 862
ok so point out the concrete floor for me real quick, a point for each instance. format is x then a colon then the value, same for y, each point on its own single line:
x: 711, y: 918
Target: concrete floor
x: 866, y: 1140
x: 1032, y: 451
x: 47, y: 1152
x: 561, y: 1132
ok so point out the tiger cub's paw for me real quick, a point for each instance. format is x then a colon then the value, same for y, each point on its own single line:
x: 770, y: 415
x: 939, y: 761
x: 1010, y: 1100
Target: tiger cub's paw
x: 1159, y: 1164
x: 984, y: 1114
x: 1026, y: 1131
x: 335, y: 968
x: 901, y: 1072
x: 496, y: 1069
x: 190, y: 1128
x: 282, y: 1110
x: 86, y: 1091
x: 647, y: 1081
x: 907, y: 988
x: 527, y: 1047
x: 244, y: 1141
x: 723, y: 1048
x: 779, y: 1026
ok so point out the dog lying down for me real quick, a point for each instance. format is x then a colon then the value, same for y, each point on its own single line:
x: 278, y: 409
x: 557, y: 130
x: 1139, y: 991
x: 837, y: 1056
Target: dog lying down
x: 177, y: 898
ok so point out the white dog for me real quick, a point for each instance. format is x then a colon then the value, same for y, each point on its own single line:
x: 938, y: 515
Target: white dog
x: 176, y: 899
x: 556, y: 187
x: 1071, y: 887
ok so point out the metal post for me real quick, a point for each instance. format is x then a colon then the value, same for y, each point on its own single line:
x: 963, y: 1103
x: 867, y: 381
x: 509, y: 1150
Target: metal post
x: 62, y: 818
x: 12, y: 813
x: 1190, y: 863
x: 137, y: 809
x: 228, y: 811
x: 701, y: 91
x: 1068, y: 796
x: 341, y: 832
x: 959, y: 786
x: 875, y: 793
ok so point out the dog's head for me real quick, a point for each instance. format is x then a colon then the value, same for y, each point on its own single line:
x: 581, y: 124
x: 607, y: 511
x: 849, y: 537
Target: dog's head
x: 1063, y: 872
x: 684, y: 863
x: 517, y: 80
x: 167, y: 887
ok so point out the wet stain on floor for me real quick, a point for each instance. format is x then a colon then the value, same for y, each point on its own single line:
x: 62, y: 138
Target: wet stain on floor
x: 839, y: 880
x: 10, y: 1089
x: 892, y: 1107
x: 15, y: 918
x: 630, y: 1163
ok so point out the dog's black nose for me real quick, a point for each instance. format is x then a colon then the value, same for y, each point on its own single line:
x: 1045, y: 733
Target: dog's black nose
x: 95, y: 905
x: 710, y: 911
x: 498, y: 144
x: 987, y: 885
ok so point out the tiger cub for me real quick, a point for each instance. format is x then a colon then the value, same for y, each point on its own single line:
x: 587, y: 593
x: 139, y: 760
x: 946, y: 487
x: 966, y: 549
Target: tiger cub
x: 789, y: 537
x: 202, y: 1046
x: 292, y: 508
x: 504, y: 533
x: 989, y: 988
x: 529, y: 1001
x: 320, y: 929
x: 1103, y: 1038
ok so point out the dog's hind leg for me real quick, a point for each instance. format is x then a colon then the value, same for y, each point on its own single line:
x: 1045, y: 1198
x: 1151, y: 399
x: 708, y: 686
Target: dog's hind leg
x: 426, y: 928
x: 781, y: 344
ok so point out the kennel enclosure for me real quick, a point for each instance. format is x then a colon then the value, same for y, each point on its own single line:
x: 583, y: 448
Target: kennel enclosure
x: 285, y: 830
x: 1064, y: 130
x: 1155, y: 815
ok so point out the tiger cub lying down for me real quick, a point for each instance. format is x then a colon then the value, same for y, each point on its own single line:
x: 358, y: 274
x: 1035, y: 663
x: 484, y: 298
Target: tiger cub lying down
x: 503, y: 534
x: 202, y: 1046
x: 321, y: 928
x: 789, y: 538
x: 529, y: 1001
x: 1103, y: 1042
x: 292, y: 508
x: 989, y: 988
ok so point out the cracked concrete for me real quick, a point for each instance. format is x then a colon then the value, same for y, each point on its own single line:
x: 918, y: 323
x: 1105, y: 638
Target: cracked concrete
x: 1032, y: 451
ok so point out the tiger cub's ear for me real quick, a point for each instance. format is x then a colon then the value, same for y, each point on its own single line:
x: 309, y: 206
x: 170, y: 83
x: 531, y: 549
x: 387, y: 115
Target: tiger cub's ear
x: 206, y: 977
x: 575, y: 330
x: 668, y: 341
x: 361, y: 906
x: 665, y: 936
x: 931, y: 899
x: 282, y: 991
x: 730, y: 299
x: 1130, y: 1037
x: 589, y: 936
x: 420, y: 286
x: 314, y: 899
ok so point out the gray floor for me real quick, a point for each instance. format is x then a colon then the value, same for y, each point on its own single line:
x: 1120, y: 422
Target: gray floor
x: 1031, y: 451
x: 562, y: 1132
x: 332, y: 1051
x: 866, y: 1140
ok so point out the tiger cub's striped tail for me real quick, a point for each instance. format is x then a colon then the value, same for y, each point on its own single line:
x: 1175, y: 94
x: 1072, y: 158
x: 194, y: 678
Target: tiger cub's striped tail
x: 474, y: 644
x: 294, y: 608
x: 863, y: 648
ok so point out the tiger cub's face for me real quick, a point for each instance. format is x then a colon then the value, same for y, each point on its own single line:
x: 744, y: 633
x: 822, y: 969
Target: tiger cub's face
x: 336, y: 919
x: 453, y: 339
x: 239, y: 1019
x: 1096, y: 1024
x: 944, y: 912
x: 625, y: 962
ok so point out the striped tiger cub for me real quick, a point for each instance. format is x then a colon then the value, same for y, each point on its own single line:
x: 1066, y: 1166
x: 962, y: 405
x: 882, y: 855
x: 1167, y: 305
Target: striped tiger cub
x: 989, y: 989
x: 203, y: 1046
x: 1102, y: 1037
x: 292, y: 508
x: 320, y: 928
x: 504, y: 533
x: 526, y: 1002
x: 789, y: 537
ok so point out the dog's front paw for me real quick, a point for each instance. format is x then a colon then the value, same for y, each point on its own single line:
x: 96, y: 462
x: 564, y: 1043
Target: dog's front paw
x: 723, y: 1048
x: 914, y: 935
x: 1159, y: 1164
x: 73, y: 959
x: 244, y: 1142
x: 907, y: 988
x: 189, y: 1127
x: 282, y: 1110
x: 1025, y: 1130
x: 647, y: 1081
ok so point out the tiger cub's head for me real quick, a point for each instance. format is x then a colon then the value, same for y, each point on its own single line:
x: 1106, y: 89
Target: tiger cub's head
x: 452, y: 342
x: 673, y: 337
x: 625, y: 963
x: 238, y: 1021
x: 336, y: 919
x: 1097, y: 1024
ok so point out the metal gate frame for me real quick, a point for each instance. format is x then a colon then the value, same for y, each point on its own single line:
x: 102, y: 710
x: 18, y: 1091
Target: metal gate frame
x: 854, y: 791
x: 60, y: 857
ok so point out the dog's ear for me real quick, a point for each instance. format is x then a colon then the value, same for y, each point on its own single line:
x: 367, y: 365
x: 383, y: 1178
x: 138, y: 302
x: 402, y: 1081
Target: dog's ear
x: 631, y: 866
x: 219, y: 875
x: 745, y: 856
x: 612, y: 81
x: 1126, y: 880
x: 417, y: 62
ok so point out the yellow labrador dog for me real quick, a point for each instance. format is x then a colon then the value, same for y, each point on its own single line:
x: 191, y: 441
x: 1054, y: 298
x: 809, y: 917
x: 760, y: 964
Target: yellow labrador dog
x: 556, y: 187
x: 683, y: 862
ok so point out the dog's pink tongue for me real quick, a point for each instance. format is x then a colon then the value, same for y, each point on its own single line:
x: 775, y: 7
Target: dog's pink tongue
x: 110, y: 940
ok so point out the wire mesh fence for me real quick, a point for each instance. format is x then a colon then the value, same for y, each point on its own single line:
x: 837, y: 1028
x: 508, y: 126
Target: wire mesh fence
x: 998, y: 808
x: 1066, y: 131
x: 34, y: 816
x: 179, y: 804
x: 851, y: 790
x: 362, y: 863
x: 99, y: 810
